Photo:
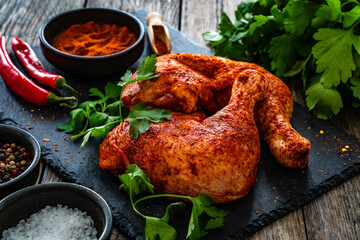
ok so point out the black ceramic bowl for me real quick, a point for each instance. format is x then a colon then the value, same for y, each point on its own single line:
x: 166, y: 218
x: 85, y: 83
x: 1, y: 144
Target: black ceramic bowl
x: 91, y: 66
x: 30, y: 200
x: 10, y: 134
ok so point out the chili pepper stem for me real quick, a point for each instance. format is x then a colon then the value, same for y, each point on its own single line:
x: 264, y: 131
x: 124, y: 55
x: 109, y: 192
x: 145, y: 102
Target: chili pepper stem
x: 53, y: 98
x: 70, y: 89
x: 70, y: 106
x: 61, y: 83
x: 76, y: 95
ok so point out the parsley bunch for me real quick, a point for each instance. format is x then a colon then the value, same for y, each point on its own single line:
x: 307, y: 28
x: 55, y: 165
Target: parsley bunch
x: 318, y: 40
x: 97, y: 117
x: 204, y: 216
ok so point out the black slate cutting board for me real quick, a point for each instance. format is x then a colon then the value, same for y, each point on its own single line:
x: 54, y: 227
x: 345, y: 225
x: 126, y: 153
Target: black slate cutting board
x: 277, y: 190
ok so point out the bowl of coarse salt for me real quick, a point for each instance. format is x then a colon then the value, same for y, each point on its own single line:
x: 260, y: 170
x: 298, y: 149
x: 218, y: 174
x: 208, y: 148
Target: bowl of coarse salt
x: 57, y: 211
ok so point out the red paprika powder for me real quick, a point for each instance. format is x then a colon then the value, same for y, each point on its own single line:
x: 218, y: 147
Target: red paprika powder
x: 161, y: 46
x: 91, y: 39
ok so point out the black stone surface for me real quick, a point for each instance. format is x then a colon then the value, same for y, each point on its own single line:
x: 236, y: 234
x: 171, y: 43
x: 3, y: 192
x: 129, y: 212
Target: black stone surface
x: 277, y: 190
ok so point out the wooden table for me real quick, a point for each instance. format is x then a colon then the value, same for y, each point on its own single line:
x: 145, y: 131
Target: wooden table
x: 334, y: 215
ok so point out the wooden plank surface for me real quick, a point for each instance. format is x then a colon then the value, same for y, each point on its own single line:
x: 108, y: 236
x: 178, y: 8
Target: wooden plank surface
x: 334, y: 215
x: 24, y: 18
x: 169, y: 10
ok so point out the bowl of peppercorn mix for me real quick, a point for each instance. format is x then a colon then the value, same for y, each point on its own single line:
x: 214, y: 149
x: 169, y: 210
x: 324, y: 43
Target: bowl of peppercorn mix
x: 92, y: 41
x: 19, y: 159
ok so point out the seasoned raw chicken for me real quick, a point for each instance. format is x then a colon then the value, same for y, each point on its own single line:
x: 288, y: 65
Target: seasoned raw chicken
x: 217, y: 155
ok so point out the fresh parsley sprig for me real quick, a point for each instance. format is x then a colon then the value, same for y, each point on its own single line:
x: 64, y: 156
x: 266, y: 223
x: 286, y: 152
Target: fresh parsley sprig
x: 97, y: 117
x: 317, y: 40
x: 204, y: 216
x: 140, y: 116
x: 146, y: 71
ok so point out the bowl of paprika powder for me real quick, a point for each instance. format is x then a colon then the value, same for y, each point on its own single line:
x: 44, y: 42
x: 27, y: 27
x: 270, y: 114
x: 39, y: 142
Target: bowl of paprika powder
x: 92, y: 41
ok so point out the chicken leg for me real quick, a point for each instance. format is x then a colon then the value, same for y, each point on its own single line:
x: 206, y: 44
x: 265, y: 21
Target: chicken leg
x: 189, y: 82
x: 191, y: 153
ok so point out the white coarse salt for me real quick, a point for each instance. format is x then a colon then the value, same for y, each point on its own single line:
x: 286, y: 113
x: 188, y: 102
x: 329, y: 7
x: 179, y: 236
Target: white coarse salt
x: 54, y: 223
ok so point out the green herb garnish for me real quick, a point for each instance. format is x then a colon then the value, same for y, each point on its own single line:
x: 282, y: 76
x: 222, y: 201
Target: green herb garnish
x: 204, y: 216
x: 97, y: 117
x: 318, y: 40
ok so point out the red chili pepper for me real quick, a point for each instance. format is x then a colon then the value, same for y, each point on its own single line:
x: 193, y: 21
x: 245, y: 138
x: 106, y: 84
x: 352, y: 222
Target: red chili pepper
x: 23, y: 86
x: 34, y: 67
x: 36, y: 70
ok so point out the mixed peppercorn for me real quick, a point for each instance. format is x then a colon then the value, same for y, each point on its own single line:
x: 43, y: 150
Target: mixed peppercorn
x: 14, y: 160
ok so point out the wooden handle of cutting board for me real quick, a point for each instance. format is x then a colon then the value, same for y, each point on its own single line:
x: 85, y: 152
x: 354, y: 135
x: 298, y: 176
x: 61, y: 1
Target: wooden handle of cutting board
x: 157, y: 30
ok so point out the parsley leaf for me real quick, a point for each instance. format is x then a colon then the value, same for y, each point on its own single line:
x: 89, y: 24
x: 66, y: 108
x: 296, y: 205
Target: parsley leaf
x: 283, y: 53
x: 125, y: 79
x: 204, y: 216
x: 243, y: 9
x: 298, y: 16
x: 226, y: 27
x: 97, y: 119
x: 329, y: 12
x: 355, y: 82
x: 140, y: 116
x: 148, y: 67
x: 156, y: 228
x: 94, y: 92
x: 351, y: 16
x: 260, y: 20
x: 336, y: 63
x: 112, y: 91
x: 135, y: 181
x: 213, y: 37
x: 146, y: 71
x: 159, y: 227
x: 76, y: 124
x: 231, y: 50
x: 325, y: 102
